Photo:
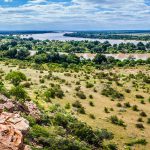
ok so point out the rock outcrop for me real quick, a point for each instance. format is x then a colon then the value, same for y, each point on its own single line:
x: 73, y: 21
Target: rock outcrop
x: 33, y: 110
x: 12, y: 129
x: 28, y: 107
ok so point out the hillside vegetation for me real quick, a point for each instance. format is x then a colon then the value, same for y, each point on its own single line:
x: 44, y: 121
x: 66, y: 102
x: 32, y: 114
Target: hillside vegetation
x: 84, y: 104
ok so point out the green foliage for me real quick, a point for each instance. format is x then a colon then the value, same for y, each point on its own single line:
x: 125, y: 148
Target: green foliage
x: 115, y: 120
x: 139, y: 96
x: 89, y: 85
x: 110, y: 146
x: 79, y: 107
x: 91, y: 116
x: 140, y: 126
x: 148, y: 120
x: 81, y: 95
x: 135, y: 108
x: 99, y: 59
x: 91, y: 104
x: 143, y: 114
x: 137, y: 141
x: 16, y: 77
x: 106, y: 110
x: 53, y: 92
x: 3, y: 90
x: 18, y: 92
x: 110, y: 92
x: 67, y: 106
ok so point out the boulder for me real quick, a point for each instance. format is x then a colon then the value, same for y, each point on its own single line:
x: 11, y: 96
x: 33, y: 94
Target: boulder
x: 12, y: 129
x: 33, y: 109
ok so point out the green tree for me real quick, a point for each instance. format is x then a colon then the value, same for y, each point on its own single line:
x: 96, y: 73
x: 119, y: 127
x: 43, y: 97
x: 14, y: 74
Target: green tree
x: 18, y: 92
x: 16, y: 77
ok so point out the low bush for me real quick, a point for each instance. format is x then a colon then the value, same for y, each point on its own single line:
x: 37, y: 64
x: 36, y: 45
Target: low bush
x: 143, y: 114
x: 127, y: 105
x: 106, y: 110
x: 115, y: 120
x: 16, y: 77
x: 138, y: 141
x: 81, y: 95
x: 140, y: 125
x: 127, y: 90
x: 148, y: 120
x: 80, y: 108
x: 119, y: 105
x: 91, y: 116
x: 53, y: 92
x: 140, y: 120
x: 139, y: 96
x: 18, y: 92
x: 89, y: 85
x: 110, y: 92
x: 135, y: 108
x: 91, y: 104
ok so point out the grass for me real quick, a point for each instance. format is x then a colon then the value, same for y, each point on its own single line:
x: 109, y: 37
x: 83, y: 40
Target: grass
x: 96, y: 116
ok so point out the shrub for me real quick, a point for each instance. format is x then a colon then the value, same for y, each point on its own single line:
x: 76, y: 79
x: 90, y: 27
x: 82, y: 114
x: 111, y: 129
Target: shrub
x: 81, y: 95
x: 148, y: 120
x: 53, y: 92
x: 143, y: 114
x: 142, y: 102
x: 111, y: 146
x: 91, y: 96
x: 3, y: 90
x: 67, y: 106
x: 104, y: 134
x: 127, y: 90
x: 140, y: 125
x: 106, y: 110
x: 78, y: 105
x: 78, y: 88
x: 110, y: 92
x: 91, y: 104
x: 138, y: 141
x: 91, y: 116
x: 95, y: 90
x: 42, y: 81
x: 127, y: 105
x: 89, y: 85
x: 119, y: 105
x: 135, y: 108
x: 115, y: 120
x: 139, y: 96
x: 18, y: 92
x: 27, y: 85
x: 16, y: 77
x: 81, y: 110
x: 140, y: 120
x: 78, y: 83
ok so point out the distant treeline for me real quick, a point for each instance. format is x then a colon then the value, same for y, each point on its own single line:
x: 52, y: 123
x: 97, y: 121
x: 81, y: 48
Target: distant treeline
x: 124, y: 35
x: 16, y: 43
x: 49, y: 52
x: 24, y: 32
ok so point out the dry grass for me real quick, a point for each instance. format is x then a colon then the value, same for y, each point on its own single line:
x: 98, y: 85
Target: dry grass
x: 122, y: 135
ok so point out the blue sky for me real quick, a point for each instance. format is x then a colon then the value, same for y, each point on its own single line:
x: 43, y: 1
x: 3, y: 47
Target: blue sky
x: 74, y: 14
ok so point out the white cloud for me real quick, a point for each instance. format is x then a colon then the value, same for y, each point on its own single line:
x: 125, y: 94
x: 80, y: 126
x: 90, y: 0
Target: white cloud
x: 80, y: 14
x: 37, y: 1
x: 7, y: 1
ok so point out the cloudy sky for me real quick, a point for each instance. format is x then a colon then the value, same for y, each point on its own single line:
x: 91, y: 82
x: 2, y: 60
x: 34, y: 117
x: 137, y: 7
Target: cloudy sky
x: 74, y: 14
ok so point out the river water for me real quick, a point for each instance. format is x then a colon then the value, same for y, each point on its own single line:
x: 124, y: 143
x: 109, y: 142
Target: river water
x: 60, y: 37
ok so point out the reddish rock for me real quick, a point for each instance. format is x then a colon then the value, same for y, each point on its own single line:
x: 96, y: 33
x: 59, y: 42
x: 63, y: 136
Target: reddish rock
x: 12, y: 129
x: 33, y: 109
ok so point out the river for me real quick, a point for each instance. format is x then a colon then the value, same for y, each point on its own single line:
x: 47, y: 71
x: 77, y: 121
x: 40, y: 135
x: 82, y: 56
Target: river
x: 59, y: 36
